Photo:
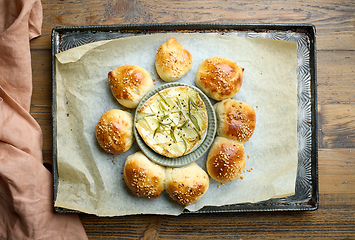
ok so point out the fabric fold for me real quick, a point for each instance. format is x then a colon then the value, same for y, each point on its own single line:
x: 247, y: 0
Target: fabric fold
x: 26, y: 186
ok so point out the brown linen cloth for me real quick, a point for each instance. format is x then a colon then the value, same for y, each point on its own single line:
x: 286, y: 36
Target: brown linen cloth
x: 26, y: 204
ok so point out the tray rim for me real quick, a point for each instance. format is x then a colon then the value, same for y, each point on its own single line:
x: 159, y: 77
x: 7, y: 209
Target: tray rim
x: 267, y: 205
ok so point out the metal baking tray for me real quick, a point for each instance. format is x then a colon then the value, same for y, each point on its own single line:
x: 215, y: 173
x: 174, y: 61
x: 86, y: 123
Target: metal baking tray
x: 306, y: 193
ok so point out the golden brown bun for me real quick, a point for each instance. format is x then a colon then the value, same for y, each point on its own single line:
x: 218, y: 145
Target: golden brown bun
x: 219, y: 78
x: 114, y: 131
x: 235, y: 120
x: 186, y: 184
x: 225, y: 160
x: 143, y: 177
x: 129, y: 84
x: 172, y: 61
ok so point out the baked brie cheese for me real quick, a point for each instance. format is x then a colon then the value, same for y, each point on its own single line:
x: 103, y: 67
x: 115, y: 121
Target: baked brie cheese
x: 173, y: 121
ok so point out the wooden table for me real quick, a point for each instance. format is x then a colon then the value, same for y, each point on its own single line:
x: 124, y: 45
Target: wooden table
x: 334, y: 22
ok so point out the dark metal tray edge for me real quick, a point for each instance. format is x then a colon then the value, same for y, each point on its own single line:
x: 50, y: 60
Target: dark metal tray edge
x: 265, y: 206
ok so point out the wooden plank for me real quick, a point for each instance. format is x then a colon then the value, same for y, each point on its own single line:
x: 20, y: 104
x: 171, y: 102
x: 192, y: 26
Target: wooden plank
x: 336, y: 171
x: 333, y: 19
x: 336, y: 77
x: 42, y: 114
x: 41, y: 102
x: 41, y: 77
x: 337, y: 124
x: 332, y: 220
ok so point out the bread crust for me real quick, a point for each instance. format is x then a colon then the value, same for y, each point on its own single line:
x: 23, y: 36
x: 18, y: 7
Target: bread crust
x: 114, y: 131
x: 219, y: 78
x: 129, y: 84
x: 143, y: 177
x: 172, y: 61
x: 236, y: 120
x: 187, y: 184
x: 225, y: 160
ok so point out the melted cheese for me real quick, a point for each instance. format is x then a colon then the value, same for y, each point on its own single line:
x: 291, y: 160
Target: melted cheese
x: 173, y: 121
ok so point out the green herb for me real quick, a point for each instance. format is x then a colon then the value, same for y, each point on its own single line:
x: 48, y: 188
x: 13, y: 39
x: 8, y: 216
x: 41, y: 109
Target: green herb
x: 164, y: 117
x: 156, y: 130
x: 164, y: 99
x: 195, y: 105
x: 162, y: 106
x: 194, y: 121
x: 172, y: 133
x: 198, y: 133
x: 178, y: 103
x: 183, y: 124
x: 149, y: 115
x: 162, y: 123
x: 189, y: 106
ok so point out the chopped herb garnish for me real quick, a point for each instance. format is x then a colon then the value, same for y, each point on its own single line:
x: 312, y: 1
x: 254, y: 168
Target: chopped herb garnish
x: 183, y: 124
x: 164, y: 117
x: 156, y: 130
x: 149, y: 115
x: 173, y: 118
x: 164, y: 99
x: 178, y: 103
x: 194, y: 121
x: 162, y: 107
x: 166, y: 123
x: 198, y: 133
x: 194, y: 104
x: 172, y: 134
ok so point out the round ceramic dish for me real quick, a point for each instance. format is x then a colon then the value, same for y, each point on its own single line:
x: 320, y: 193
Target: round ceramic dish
x: 197, y: 152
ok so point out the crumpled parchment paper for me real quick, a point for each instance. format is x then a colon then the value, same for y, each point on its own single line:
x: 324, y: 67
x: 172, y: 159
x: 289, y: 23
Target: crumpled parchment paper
x: 90, y: 180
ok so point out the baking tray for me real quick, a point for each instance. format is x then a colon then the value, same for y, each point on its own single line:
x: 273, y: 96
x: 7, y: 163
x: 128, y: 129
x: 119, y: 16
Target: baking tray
x: 306, y: 193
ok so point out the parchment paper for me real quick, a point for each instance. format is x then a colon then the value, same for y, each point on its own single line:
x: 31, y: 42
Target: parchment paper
x: 90, y: 180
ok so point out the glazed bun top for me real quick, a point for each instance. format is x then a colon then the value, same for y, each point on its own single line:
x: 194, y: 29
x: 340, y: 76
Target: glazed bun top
x: 225, y: 160
x: 172, y: 61
x: 186, y: 184
x: 114, y: 131
x: 219, y: 78
x: 143, y: 177
x: 129, y: 84
x: 235, y: 120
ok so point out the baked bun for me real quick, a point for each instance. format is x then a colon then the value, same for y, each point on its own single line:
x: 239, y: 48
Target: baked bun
x: 225, y: 160
x: 235, y: 120
x: 114, y: 131
x: 186, y: 184
x: 129, y: 84
x: 143, y: 177
x: 172, y: 61
x: 219, y: 78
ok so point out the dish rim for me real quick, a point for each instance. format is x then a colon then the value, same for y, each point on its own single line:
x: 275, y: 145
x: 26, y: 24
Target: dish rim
x: 198, y: 151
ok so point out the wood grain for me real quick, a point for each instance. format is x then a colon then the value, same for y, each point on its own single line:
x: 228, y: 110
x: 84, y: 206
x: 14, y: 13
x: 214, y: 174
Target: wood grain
x: 335, y: 40
x: 337, y: 126
x: 336, y: 77
x: 337, y: 171
x: 333, y: 19
x: 332, y: 221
